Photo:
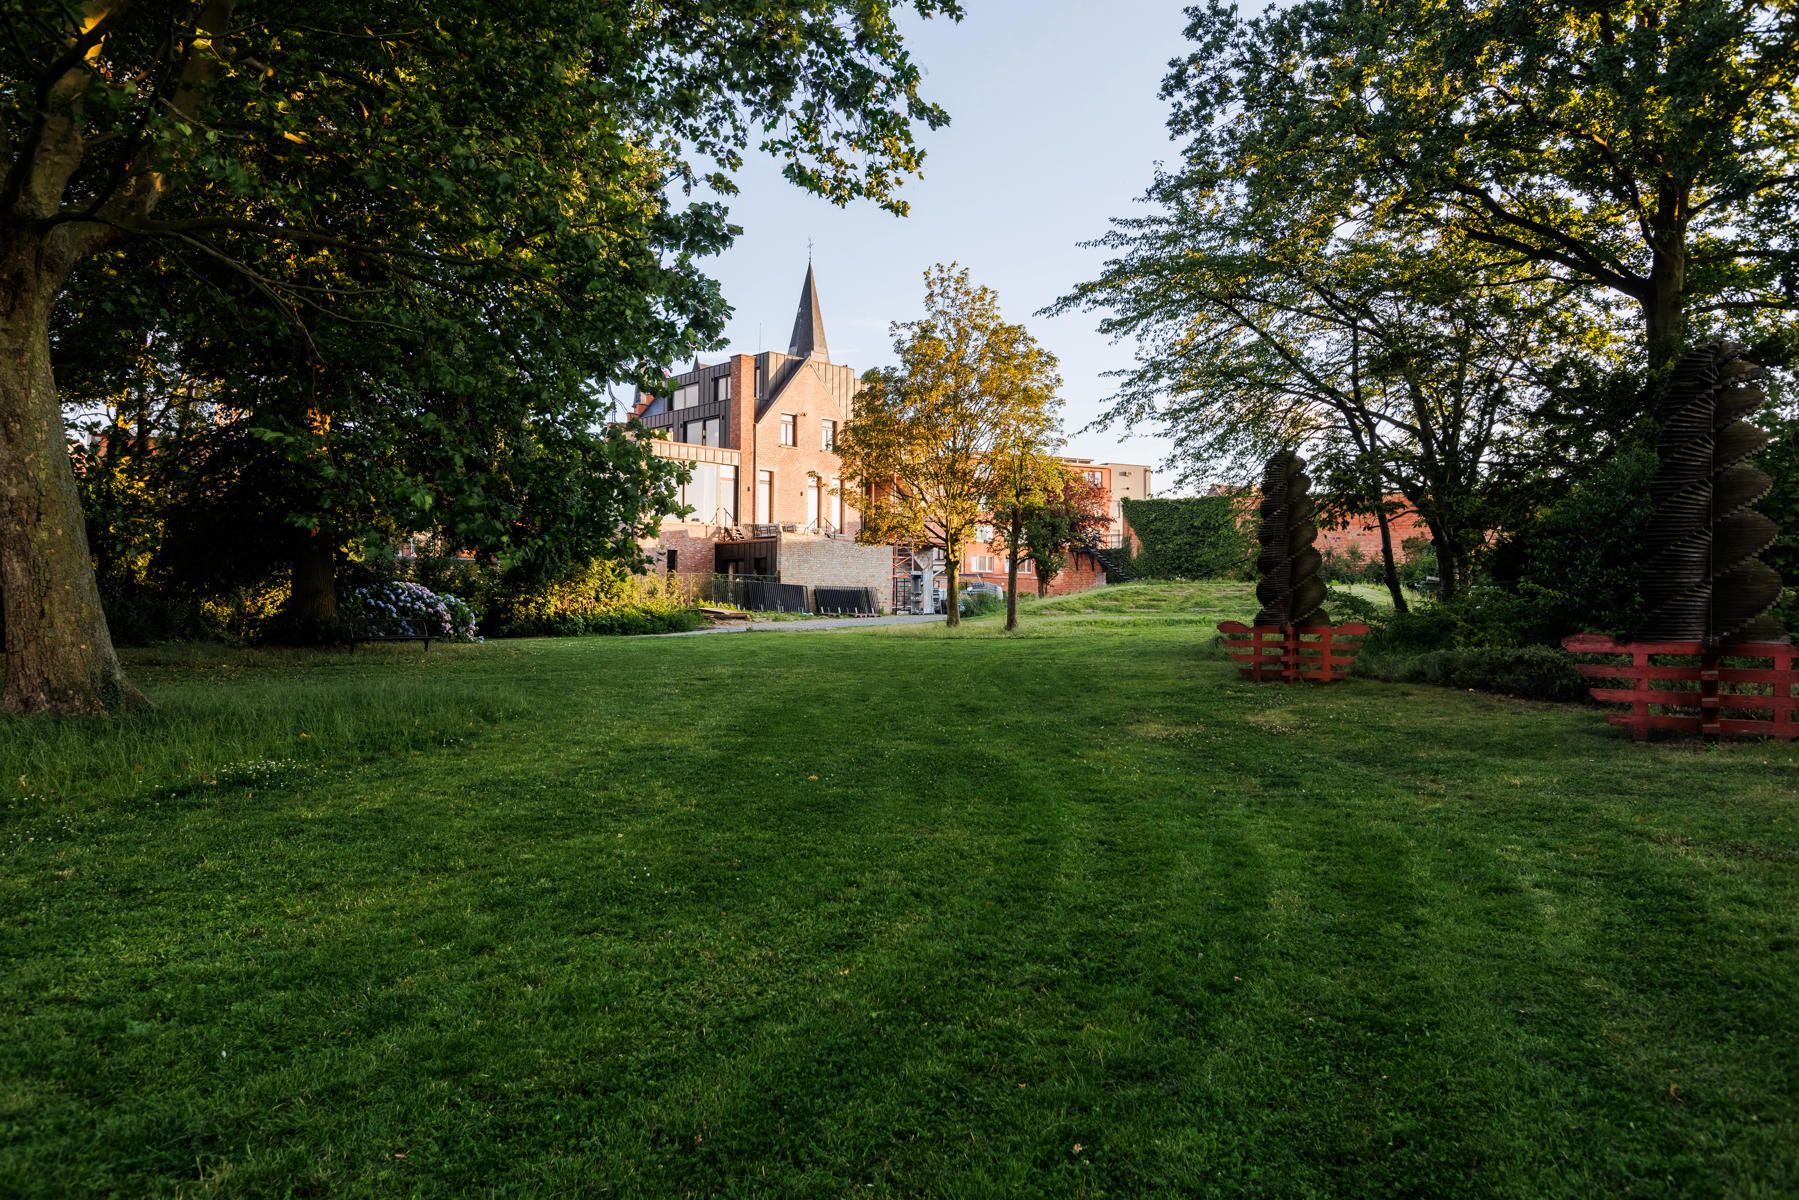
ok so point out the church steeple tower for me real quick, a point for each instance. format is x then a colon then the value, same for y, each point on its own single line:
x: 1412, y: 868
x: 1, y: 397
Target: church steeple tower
x: 808, y: 339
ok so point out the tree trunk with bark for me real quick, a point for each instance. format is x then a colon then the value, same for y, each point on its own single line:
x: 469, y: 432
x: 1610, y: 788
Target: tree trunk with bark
x: 312, y: 606
x: 59, y: 652
x: 1012, y: 581
x: 952, y: 601
x: 1389, y: 564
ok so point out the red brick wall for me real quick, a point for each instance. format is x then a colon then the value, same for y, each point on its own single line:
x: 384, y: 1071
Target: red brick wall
x: 1364, y: 532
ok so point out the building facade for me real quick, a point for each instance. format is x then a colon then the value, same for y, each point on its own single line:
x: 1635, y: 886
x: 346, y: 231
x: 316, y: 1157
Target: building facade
x: 1118, y: 482
x: 767, y: 497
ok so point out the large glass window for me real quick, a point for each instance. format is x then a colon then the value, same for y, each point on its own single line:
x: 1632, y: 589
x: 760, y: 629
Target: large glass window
x: 686, y: 396
x: 789, y: 430
x: 727, y: 495
x: 765, y: 497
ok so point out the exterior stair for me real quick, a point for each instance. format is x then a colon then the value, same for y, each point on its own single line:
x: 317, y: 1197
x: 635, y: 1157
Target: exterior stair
x: 1117, y: 562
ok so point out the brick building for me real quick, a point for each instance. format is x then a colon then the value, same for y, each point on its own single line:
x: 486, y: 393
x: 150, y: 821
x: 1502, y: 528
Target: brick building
x: 1119, y: 482
x: 767, y: 493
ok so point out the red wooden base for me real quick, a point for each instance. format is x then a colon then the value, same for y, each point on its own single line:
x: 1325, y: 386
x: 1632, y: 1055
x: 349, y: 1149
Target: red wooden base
x: 1285, y: 654
x: 1745, y: 689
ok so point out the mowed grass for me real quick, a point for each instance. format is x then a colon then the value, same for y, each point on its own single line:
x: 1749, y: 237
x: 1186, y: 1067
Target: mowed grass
x: 887, y: 912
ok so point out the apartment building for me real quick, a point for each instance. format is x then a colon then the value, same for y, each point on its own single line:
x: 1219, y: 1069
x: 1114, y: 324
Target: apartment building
x: 767, y: 496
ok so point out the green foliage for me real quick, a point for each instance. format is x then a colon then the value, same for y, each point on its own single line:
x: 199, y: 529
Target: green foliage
x: 1577, y: 566
x: 602, y: 598
x: 1204, y: 537
x: 980, y: 604
x: 1531, y: 672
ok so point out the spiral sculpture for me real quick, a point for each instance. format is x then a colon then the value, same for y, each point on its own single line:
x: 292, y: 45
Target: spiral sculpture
x: 1701, y: 579
x: 1290, y: 591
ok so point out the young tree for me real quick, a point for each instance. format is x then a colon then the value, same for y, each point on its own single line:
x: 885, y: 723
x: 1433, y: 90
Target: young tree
x: 1026, y: 481
x: 382, y: 157
x: 1072, y: 516
x: 971, y: 391
x: 1645, y: 148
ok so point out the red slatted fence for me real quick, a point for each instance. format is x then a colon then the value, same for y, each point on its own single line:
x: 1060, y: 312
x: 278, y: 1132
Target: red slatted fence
x: 1745, y: 689
x: 1271, y: 653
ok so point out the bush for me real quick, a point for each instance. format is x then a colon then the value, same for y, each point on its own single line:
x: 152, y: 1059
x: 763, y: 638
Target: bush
x: 1533, y: 672
x: 407, y: 610
x: 979, y: 604
x: 604, y: 598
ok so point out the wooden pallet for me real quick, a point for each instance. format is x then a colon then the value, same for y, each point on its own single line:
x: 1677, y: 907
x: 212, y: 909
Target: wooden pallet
x: 1280, y: 653
x: 1745, y: 689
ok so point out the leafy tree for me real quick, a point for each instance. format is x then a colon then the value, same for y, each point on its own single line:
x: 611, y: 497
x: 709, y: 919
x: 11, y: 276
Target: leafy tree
x: 1027, y: 479
x: 400, y: 167
x: 972, y: 394
x: 1406, y: 366
x: 1643, y: 148
x: 1071, y: 516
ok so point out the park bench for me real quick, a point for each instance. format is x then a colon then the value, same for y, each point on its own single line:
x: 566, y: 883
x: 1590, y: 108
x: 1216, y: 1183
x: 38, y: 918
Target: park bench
x: 426, y: 638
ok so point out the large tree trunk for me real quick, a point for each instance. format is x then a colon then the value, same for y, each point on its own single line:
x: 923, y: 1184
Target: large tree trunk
x: 59, y: 653
x: 312, y: 606
x: 1663, y: 317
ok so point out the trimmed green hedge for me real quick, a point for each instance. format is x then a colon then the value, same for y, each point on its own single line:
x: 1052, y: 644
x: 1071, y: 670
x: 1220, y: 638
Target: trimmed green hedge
x: 1202, y: 537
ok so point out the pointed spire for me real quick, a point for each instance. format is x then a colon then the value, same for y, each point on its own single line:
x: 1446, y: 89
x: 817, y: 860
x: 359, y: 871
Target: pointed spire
x: 808, y: 339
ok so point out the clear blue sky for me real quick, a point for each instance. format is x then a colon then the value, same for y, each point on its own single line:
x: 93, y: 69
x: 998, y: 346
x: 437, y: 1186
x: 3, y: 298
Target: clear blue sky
x: 1055, y: 128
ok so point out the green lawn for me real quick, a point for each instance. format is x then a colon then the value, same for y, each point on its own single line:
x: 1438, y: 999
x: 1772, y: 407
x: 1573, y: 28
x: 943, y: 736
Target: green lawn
x: 886, y: 912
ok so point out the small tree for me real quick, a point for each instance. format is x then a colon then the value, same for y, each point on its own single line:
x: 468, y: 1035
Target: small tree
x: 1026, y: 481
x: 971, y: 391
x: 1071, y: 516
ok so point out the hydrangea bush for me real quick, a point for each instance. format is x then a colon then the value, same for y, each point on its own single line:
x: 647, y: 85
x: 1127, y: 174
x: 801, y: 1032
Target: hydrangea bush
x: 409, y: 610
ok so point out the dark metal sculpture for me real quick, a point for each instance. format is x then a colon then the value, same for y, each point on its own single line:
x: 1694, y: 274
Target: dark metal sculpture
x: 1290, y: 592
x: 1701, y: 579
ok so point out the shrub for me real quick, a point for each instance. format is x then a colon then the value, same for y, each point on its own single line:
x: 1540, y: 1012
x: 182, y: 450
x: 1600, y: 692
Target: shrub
x: 1533, y: 672
x: 603, y: 598
x: 405, y: 610
x: 979, y: 604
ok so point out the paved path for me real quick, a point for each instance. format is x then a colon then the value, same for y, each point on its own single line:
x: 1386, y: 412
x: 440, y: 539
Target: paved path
x: 805, y: 626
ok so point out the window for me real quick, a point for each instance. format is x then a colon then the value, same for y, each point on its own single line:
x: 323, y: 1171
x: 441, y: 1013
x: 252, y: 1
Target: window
x: 789, y: 430
x: 701, y: 433
x: 671, y: 562
x: 1095, y: 477
x: 837, y: 505
x: 827, y: 435
x: 813, y: 511
x: 765, y: 497
x: 727, y: 495
x: 983, y: 533
x: 686, y: 397
x: 721, y: 388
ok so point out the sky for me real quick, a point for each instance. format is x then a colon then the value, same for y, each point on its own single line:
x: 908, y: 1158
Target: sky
x: 1055, y: 128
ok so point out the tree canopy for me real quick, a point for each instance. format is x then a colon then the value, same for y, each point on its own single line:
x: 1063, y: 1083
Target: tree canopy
x: 973, y: 393
x: 1644, y: 148
x: 452, y: 201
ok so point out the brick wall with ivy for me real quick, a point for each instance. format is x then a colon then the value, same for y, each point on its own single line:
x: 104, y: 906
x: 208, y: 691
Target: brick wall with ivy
x: 1200, y: 537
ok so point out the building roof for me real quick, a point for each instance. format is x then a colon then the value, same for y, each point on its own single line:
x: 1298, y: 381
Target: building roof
x: 808, y: 340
